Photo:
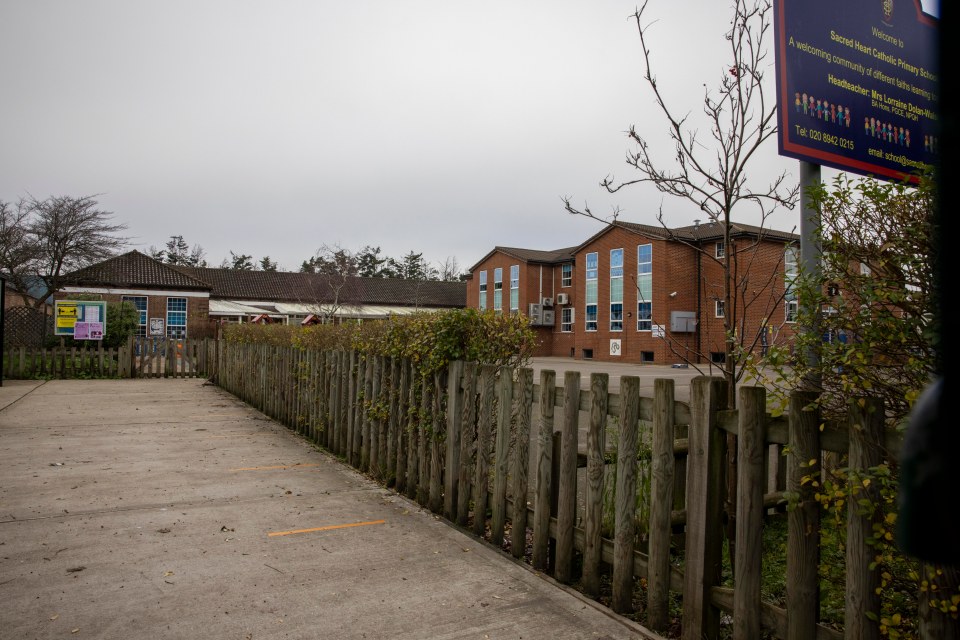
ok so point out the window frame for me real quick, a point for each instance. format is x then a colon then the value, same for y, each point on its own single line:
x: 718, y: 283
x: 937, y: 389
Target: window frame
x: 143, y: 313
x: 719, y: 308
x: 483, y: 290
x: 566, y: 274
x: 591, y: 310
x: 171, y: 313
x: 719, y: 249
x: 567, y: 323
x: 514, y: 288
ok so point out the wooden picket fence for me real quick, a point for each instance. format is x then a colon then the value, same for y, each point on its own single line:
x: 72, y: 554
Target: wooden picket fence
x: 459, y: 442
x: 139, y: 358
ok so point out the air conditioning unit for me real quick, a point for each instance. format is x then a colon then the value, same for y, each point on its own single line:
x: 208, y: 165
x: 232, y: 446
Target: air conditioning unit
x: 547, y: 318
x: 534, y: 312
x: 547, y: 302
x: 563, y: 298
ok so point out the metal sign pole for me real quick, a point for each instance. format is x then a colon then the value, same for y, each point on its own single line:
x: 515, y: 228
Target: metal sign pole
x: 810, y: 264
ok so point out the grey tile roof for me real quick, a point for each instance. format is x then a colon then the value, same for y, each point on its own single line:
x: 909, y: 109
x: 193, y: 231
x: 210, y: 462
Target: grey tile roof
x: 531, y: 256
x: 134, y: 269
x: 283, y: 286
x: 696, y: 232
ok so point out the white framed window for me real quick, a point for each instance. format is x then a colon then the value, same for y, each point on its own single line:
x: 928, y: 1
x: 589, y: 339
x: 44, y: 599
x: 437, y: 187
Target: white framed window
x: 719, y: 249
x: 791, y: 271
x: 176, y: 317
x: 719, y: 308
x: 140, y: 302
x: 498, y: 290
x: 566, y: 319
x: 790, y: 311
x: 645, y: 287
x: 514, y: 288
x: 566, y: 274
x: 591, y: 292
x: 616, y: 290
x: 483, y: 290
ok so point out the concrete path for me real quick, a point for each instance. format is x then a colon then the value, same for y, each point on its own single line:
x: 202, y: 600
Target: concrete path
x: 169, y: 509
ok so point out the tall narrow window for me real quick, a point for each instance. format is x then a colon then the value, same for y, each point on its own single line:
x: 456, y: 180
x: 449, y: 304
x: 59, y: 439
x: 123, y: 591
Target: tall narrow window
x: 176, y: 317
x: 566, y: 274
x: 483, y: 291
x: 140, y: 302
x: 616, y: 290
x: 720, y: 249
x: 498, y: 290
x: 720, y: 308
x: 514, y: 288
x: 591, y: 292
x: 645, y: 287
x: 566, y: 319
x: 791, y: 270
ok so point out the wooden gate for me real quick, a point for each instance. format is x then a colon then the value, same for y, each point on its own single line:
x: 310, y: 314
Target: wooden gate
x: 163, y: 357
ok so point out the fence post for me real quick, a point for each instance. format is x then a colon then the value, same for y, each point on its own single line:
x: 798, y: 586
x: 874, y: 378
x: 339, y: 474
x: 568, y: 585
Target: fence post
x: 393, y: 420
x: 436, y: 452
x: 521, y: 464
x: 751, y: 480
x: 423, y: 442
x: 567, y: 505
x: 661, y: 504
x: 403, y: 434
x: 481, y: 482
x: 468, y: 433
x: 541, y: 512
x: 501, y: 453
x: 626, y: 496
x: 803, y: 521
x: 865, y: 416
x: 593, y: 506
x: 451, y: 478
x: 704, y: 531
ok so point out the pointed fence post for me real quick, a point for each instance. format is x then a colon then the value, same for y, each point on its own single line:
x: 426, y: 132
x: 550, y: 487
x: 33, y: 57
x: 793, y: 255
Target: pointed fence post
x: 704, y: 532
x: 541, y: 514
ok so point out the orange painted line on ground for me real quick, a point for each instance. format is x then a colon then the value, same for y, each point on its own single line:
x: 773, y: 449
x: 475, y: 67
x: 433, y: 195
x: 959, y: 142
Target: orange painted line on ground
x: 279, y: 466
x: 331, y: 527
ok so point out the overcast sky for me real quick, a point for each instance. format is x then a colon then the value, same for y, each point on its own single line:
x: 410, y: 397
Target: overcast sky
x: 271, y: 128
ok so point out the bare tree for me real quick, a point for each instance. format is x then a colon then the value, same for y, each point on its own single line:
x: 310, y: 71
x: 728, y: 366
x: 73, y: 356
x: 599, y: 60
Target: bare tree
x: 450, y: 270
x: 334, y: 266
x: 55, y: 236
x: 18, y: 247
x: 710, y: 171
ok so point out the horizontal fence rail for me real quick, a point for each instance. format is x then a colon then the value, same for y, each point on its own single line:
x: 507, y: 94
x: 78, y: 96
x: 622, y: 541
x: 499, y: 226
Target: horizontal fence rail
x: 140, y: 357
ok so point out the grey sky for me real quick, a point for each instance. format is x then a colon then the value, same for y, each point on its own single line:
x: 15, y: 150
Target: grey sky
x: 271, y: 128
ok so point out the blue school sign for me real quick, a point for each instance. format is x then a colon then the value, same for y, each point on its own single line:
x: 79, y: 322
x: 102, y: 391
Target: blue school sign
x: 857, y: 85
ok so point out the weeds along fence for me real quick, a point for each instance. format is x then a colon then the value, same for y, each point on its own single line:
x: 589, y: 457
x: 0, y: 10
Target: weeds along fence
x: 140, y: 357
x: 465, y: 443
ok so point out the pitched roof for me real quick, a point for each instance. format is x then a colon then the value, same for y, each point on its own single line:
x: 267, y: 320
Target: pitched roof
x: 696, y: 232
x: 133, y: 269
x: 281, y: 286
x: 532, y: 256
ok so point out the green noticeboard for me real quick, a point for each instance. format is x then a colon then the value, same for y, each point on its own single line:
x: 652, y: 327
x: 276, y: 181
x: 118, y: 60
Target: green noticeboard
x: 80, y: 319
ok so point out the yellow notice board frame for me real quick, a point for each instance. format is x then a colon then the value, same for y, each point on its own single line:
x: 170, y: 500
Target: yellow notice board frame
x: 80, y: 319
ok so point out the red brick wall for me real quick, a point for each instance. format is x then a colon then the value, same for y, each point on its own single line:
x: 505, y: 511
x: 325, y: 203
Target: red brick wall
x: 678, y: 269
x: 198, y: 310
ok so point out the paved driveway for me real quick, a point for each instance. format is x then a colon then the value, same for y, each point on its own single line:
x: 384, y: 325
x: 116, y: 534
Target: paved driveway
x: 169, y: 509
